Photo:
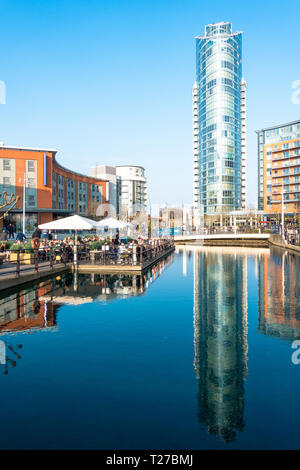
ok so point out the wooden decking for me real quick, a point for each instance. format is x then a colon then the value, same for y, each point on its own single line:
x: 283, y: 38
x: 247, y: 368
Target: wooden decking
x: 121, y: 268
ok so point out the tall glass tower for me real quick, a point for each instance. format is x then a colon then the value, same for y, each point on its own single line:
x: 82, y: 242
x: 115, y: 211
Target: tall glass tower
x: 219, y: 122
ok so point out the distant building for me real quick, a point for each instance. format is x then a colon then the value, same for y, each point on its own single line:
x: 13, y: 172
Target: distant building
x: 171, y: 217
x: 127, y: 188
x: 108, y: 173
x: 279, y: 169
x: 51, y: 190
x: 132, y: 190
x: 219, y: 122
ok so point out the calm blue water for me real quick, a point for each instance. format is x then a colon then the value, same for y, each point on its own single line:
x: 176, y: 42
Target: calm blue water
x: 194, y: 355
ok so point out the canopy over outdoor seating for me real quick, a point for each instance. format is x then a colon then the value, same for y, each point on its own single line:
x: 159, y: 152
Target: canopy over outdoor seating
x: 112, y: 223
x: 74, y: 222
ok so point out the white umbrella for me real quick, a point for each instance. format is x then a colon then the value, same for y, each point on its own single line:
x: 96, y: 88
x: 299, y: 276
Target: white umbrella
x: 112, y: 223
x: 74, y: 222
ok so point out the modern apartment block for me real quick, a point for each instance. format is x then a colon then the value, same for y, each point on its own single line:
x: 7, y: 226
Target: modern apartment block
x: 132, y: 190
x: 51, y: 191
x: 279, y: 169
x: 109, y: 174
x: 127, y: 188
x: 219, y: 122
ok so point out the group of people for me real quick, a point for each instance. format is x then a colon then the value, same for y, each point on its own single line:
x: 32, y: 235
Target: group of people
x: 7, y: 231
x: 44, y: 240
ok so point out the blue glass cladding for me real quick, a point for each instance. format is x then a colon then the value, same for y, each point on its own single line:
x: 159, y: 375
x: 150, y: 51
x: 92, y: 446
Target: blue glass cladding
x: 219, y: 74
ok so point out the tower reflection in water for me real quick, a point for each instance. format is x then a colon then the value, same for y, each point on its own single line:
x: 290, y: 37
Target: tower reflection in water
x: 220, y: 324
x: 220, y: 338
x: 279, y: 294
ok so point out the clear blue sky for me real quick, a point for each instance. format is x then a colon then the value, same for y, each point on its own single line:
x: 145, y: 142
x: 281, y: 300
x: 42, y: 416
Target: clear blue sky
x: 110, y: 81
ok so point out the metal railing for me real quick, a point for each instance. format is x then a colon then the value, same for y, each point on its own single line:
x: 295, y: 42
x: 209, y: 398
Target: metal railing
x: 17, y: 262
x: 133, y: 255
x: 224, y: 231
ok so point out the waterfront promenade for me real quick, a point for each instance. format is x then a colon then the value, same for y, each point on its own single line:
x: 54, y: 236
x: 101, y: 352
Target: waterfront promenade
x: 133, y: 261
x: 137, y: 262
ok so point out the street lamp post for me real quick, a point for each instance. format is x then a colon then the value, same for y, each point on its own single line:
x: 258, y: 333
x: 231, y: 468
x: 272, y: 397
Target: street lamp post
x: 24, y: 202
x: 282, y: 212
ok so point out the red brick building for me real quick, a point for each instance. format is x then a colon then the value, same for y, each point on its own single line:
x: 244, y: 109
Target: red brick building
x: 51, y: 191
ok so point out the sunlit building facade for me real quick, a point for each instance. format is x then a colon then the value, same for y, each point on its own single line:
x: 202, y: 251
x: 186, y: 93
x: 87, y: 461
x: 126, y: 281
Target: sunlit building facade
x: 279, y: 169
x: 217, y: 121
x: 48, y: 189
x: 132, y: 190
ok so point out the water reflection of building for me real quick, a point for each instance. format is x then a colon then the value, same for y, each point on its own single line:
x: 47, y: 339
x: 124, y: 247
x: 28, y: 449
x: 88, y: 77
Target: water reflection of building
x: 24, y: 310
x: 279, y: 294
x: 78, y: 289
x: 220, y: 341
x: 35, y: 307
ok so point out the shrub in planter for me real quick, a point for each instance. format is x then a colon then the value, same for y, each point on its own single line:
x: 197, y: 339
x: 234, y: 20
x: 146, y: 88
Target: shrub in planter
x: 16, y: 247
x: 28, y: 247
x: 26, y: 253
x: 96, y: 245
x: 72, y: 237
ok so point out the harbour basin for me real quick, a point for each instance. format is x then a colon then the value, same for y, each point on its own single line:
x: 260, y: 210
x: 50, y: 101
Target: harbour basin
x: 195, y: 353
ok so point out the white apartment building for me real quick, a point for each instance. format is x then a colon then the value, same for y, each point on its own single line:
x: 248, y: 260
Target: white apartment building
x: 108, y: 173
x: 132, y: 190
x: 127, y: 188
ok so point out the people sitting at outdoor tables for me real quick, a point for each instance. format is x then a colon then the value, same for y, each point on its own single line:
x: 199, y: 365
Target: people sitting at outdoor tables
x: 120, y: 250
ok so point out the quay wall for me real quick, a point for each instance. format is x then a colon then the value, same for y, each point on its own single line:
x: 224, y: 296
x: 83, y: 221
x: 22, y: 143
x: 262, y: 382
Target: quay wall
x: 277, y: 240
x: 247, y: 240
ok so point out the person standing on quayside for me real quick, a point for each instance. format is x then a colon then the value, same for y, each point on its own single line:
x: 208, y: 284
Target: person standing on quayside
x: 117, y: 239
x: 11, y: 230
x: 37, y: 233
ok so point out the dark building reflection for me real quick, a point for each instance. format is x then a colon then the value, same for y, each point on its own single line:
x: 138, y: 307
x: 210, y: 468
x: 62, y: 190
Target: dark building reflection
x: 220, y: 338
x: 36, y: 307
x: 24, y: 310
x: 76, y: 289
x: 279, y: 294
